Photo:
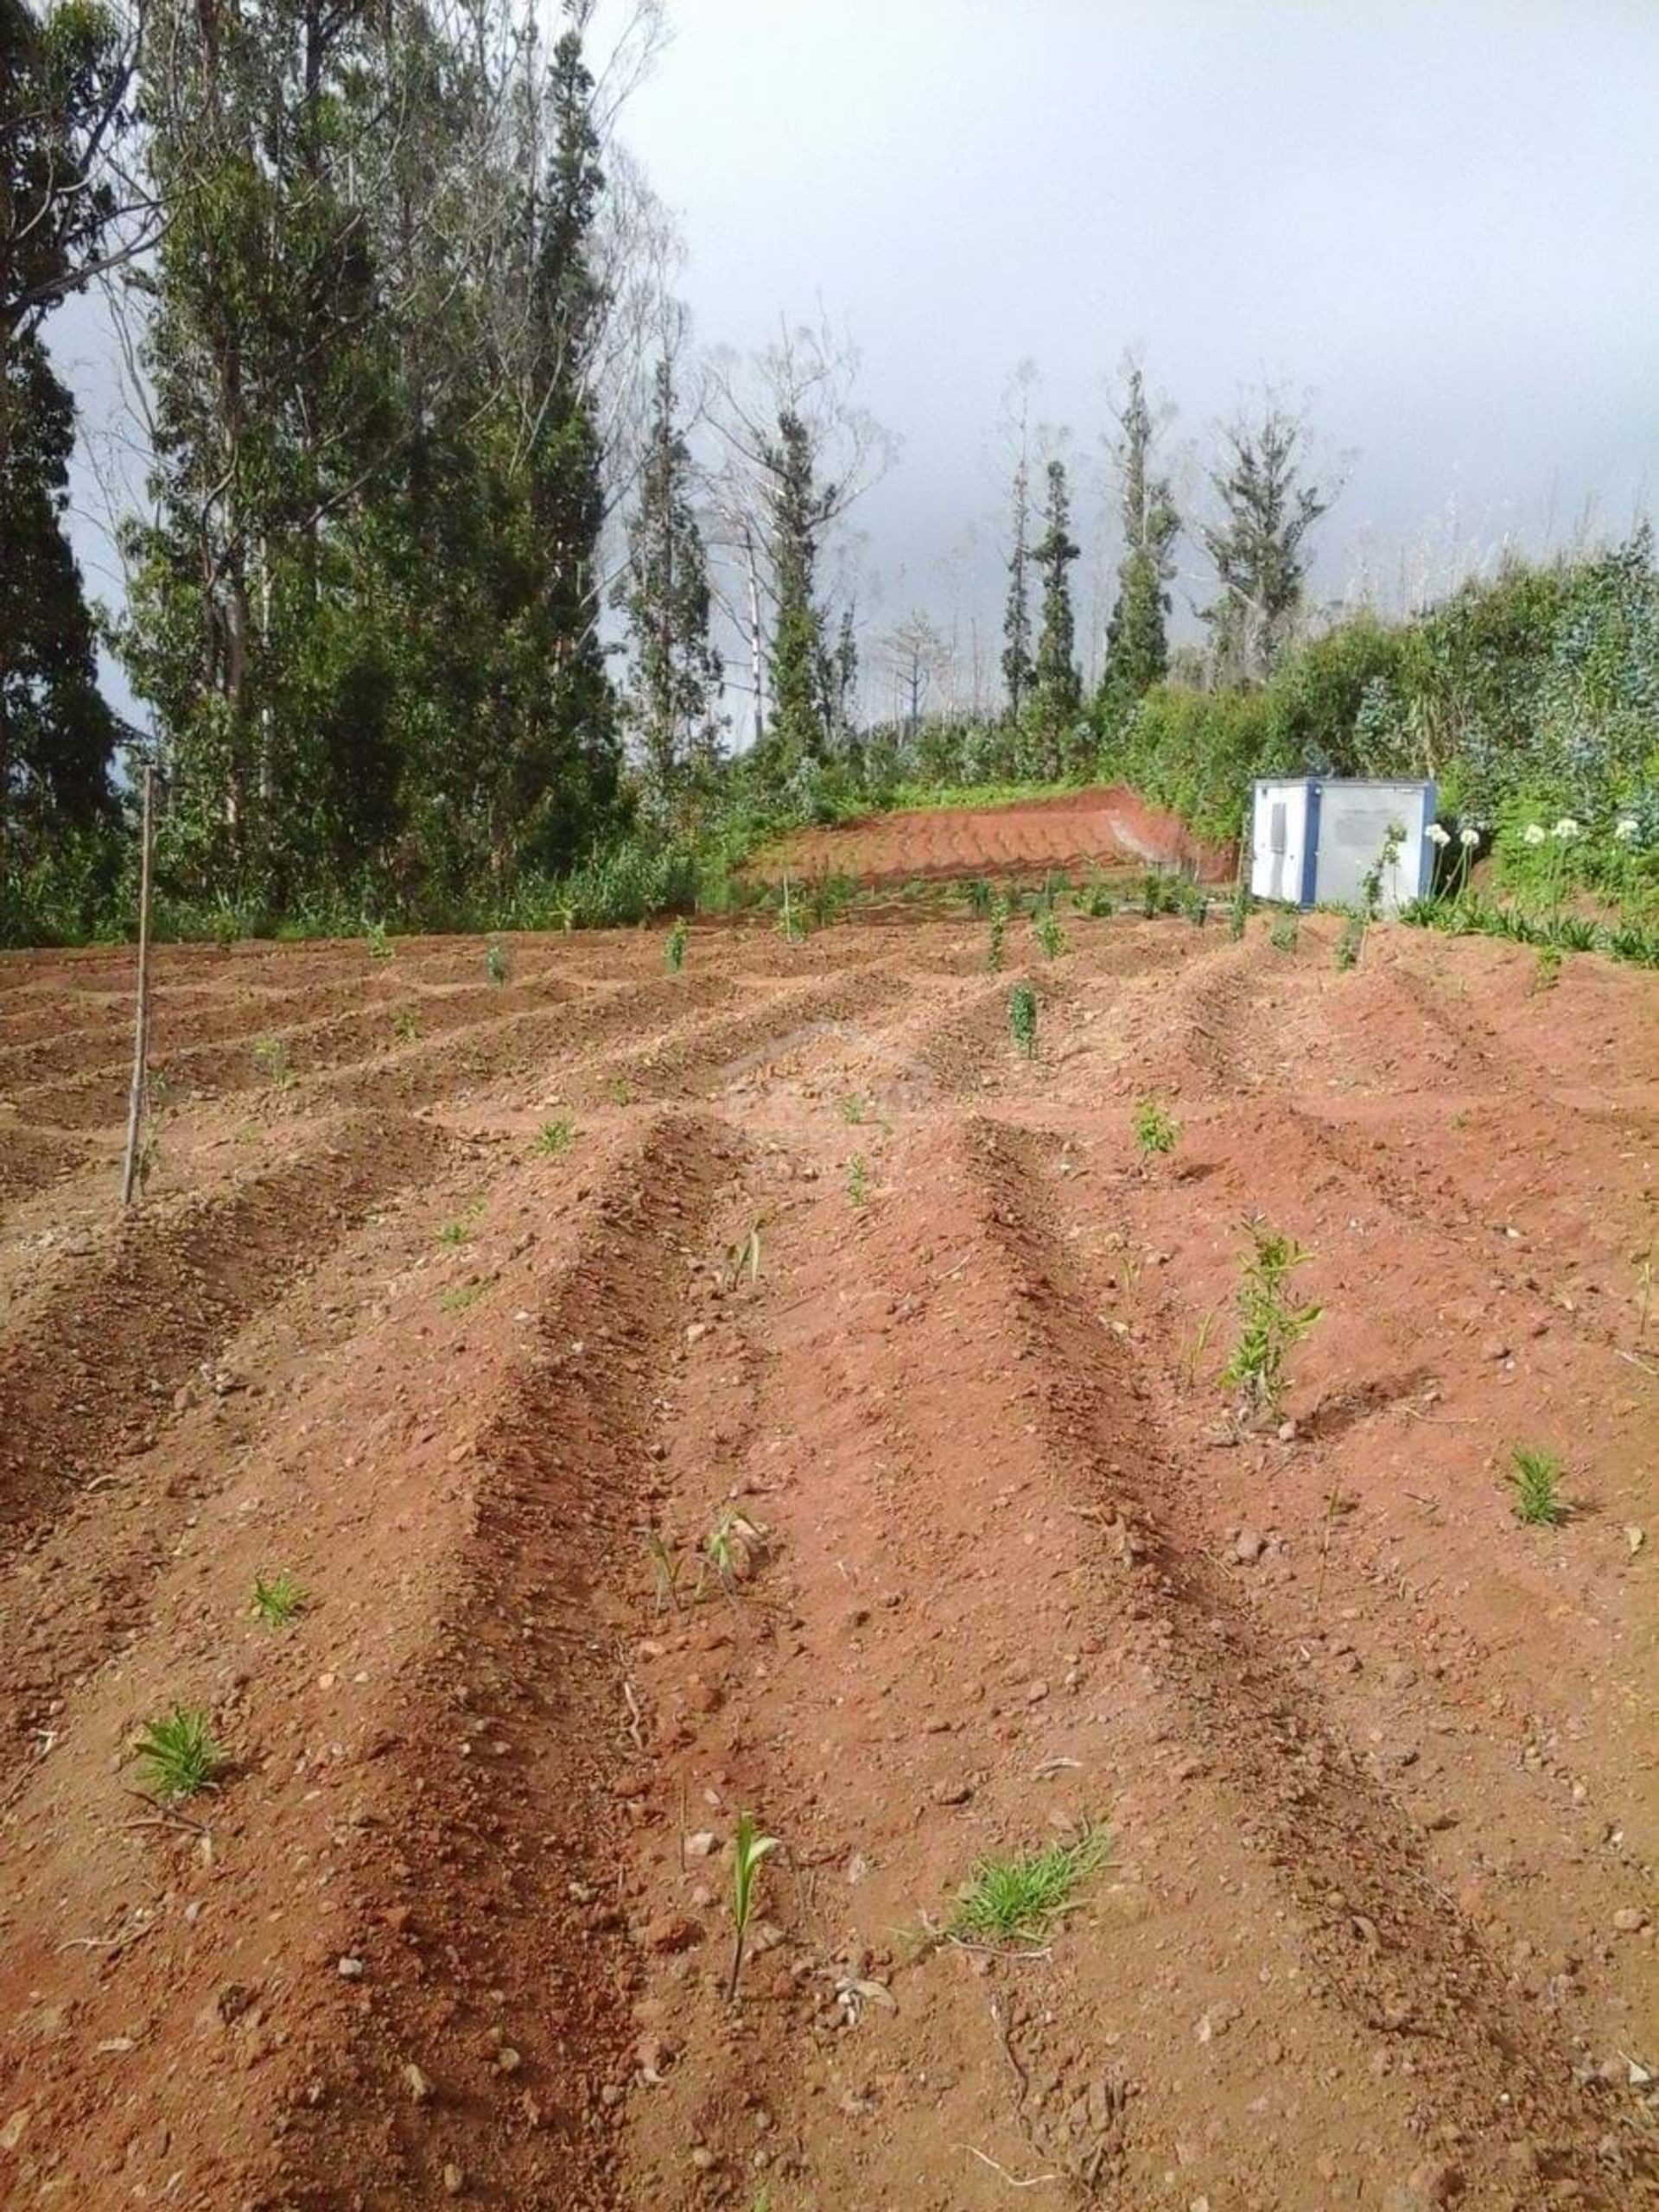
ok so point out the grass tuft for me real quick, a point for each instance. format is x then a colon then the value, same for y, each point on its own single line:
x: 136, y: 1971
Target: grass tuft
x: 278, y: 1599
x: 1017, y: 1900
x: 179, y: 1754
x: 1536, y: 1478
x: 556, y: 1136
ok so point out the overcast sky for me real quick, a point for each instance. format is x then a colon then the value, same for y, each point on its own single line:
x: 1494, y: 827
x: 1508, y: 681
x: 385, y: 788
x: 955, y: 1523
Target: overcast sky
x: 1435, y: 220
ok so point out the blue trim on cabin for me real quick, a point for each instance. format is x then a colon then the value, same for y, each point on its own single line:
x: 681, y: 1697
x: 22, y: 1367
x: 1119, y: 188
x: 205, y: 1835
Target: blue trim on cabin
x: 1310, y: 846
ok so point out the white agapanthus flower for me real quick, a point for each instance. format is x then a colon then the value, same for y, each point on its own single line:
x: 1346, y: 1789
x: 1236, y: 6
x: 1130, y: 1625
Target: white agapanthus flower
x: 1566, y: 828
x: 1437, y: 836
x: 1532, y: 834
x: 1626, y: 829
x: 1468, y: 839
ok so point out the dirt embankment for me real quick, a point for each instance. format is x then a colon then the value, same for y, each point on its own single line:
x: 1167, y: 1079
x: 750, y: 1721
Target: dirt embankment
x: 809, y: 1244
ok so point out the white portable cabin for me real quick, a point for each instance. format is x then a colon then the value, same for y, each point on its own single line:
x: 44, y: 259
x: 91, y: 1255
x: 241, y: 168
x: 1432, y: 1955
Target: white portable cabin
x: 1313, y: 838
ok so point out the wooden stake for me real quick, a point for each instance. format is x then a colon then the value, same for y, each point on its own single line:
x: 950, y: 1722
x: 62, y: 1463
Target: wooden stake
x: 140, y: 1022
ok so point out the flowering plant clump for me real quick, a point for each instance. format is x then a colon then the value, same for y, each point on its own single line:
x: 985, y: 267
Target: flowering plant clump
x: 1534, y: 834
x: 1468, y: 839
x: 1437, y: 836
x: 1566, y: 828
x: 1627, y: 830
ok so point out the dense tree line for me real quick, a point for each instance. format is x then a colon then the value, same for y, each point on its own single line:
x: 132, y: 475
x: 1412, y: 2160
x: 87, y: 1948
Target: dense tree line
x: 392, y: 320
x: 441, y: 518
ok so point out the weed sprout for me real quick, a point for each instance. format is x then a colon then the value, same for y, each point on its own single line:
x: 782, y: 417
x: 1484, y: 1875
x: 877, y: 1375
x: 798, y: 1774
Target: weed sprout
x: 749, y: 1847
x: 1271, y: 1324
x: 1536, y: 1478
x: 1022, y: 1019
x: 179, y: 1754
x: 278, y: 1599
x: 1155, y: 1131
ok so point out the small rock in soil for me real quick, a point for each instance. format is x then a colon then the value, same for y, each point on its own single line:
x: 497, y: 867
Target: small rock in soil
x: 672, y: 1931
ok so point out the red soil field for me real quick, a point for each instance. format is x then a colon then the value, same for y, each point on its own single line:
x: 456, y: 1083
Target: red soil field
x: 1105, y: 827
x: 1374, y: 1928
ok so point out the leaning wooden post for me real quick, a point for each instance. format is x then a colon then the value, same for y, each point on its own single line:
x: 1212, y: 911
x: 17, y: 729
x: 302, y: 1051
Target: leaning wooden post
x: 141, y: 1023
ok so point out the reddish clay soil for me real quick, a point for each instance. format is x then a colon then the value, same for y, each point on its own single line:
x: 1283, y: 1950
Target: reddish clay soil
x: 1377, y: 1762
x: 1103, y: 828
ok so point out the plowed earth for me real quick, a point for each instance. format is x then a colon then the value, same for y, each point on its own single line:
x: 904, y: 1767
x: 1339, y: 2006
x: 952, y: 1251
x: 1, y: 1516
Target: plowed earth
x: 1377, y: 1761
x: 1109, y: 825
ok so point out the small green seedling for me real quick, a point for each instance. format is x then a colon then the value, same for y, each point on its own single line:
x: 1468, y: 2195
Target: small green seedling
x: 1370, y: 883
x: 497, y: 966
x: 555, y: 1136
x: 1349, y: 944
x: 855, y: 1108
x: 179, y: 1754
x: 790, y: 920
x: 1283, y: 934
x: 731, y: 1546
x: 674, y: 948
x: 665, y: 1571
x: 999, y: 932
x: 1270, y: 1323
x: 1546, y: 968
x: 1536, y: 1478
x: 278, y: 1599
x: 1196, y: 1346
x: 1238, y: 910
x: 405, y: 1024
x: 379, y: 943
x: 1022, y: 1019
x: 749, y: 1847
x: 452, y: 1233
x: 156, y: 1096
x: 1046, y: 927
x: 1018, y: 1900
x: 621, y: 1090
x: 978, y: 895
x: 858, y: 1180
x: 1154, y: 1130
x: 742, y: 1258
x: 463, y: 1296
x: 270, y: 1057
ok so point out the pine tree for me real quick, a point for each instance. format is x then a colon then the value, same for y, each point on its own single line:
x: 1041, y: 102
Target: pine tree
x: 1016, y: 618
x: 674, y: 699
x: 62, y: 90
x: 269, y: 360
x: 1258, y: 545
x: 797, y: 730
x: 1056, y: 688
x: 1137, y: 647
x: 840, y: 683
x: 562, y: 756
